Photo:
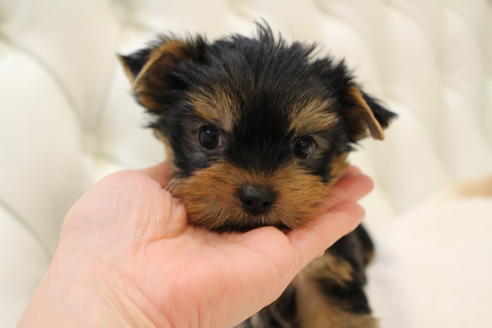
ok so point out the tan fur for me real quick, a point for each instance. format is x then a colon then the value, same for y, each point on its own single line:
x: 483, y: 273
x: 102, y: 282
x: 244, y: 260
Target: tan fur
x: 330, y: 267
x: 317, y: 310
x: 368, y: 256
x: 338, y: 166
x: 312, y: 117
x: 370, y: 121
x: 298, y: 193
x: 216, y: 107
x: 161, y: 59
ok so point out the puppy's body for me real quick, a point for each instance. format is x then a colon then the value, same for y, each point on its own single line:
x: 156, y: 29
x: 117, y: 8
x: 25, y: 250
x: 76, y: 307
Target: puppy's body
x: 258, y: 131
x: 327, y: 293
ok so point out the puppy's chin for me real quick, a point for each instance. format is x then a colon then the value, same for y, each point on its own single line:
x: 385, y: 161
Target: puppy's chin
x: 253, y: 225
x: 249, y: 222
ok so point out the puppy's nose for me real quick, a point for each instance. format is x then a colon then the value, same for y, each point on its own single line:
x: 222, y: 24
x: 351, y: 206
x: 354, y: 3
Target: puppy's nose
x: 256, y: 199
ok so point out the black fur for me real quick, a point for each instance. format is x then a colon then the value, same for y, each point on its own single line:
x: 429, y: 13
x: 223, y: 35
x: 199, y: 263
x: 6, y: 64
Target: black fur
x: 265, y: 75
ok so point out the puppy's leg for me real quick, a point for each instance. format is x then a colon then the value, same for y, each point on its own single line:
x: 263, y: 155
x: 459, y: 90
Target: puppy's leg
x: 330, y: 291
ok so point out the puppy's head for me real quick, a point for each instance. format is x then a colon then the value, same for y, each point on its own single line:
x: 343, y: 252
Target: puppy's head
x: 256, y: 128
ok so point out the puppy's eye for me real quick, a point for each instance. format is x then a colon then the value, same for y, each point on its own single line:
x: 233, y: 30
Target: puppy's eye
x: 304, y: 146
x: 210, y: 137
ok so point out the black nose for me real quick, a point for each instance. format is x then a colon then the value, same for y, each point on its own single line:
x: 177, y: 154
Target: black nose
x: 256, y: 199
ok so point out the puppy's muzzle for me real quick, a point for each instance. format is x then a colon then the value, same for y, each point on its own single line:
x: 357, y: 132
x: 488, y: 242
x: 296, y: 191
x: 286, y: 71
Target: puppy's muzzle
x: 256, y: 199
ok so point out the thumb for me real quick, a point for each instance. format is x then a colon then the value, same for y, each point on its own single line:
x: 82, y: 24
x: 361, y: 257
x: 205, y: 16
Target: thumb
x: 152, y: 212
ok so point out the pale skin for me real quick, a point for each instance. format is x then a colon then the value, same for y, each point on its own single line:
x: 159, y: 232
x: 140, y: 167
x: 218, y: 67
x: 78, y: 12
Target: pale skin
x: 128, y: 258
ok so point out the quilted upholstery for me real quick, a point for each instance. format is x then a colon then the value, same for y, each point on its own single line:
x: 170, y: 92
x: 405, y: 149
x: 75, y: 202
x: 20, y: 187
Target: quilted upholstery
x: 67, y: 116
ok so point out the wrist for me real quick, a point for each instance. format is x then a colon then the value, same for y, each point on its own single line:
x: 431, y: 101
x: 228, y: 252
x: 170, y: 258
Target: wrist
x: 78, y: 292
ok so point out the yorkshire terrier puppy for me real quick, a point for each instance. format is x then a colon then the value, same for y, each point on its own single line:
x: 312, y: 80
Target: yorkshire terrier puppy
x: 257, y: 131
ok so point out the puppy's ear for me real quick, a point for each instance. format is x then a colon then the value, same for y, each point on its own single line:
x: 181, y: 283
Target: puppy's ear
x: 133, y: 63
x: 150, y: 69
x: 363, y: 113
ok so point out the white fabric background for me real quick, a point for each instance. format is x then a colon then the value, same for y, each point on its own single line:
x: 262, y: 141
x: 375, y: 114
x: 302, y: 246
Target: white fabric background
x: 67, y: 117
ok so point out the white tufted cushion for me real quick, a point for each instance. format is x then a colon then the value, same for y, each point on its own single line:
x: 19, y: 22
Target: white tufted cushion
x: 67, y: 116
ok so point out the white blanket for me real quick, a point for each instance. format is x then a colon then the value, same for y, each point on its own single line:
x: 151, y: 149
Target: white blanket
x: 433, y: 267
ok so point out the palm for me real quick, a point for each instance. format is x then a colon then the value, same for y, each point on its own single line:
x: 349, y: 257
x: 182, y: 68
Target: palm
x: 138, y: 231
x: 209, y: 272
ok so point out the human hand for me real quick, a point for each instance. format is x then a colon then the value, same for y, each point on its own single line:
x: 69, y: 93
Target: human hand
x: 127, y: 258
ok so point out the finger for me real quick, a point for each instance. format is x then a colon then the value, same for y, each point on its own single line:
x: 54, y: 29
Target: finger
x: 274, y: 247
x: 324, y: 231
x: 160, y: 173
x: 149, y: 212
x: 173, y: 221
x: 350, y: 188
x: 352, y: 169
x: 269, y: 240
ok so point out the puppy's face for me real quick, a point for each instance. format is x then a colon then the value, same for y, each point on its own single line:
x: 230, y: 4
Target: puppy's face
x: 257, y: 130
